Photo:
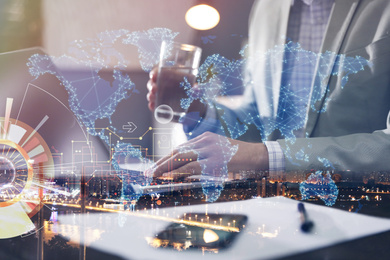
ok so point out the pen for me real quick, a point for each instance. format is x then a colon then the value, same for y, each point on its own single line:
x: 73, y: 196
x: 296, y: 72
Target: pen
x: 306, y: 224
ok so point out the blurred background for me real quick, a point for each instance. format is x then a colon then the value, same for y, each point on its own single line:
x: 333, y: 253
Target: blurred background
x: 53, y: 25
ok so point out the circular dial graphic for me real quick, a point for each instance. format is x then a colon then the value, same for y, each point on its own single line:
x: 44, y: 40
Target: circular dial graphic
x: 26, y: 164
x: 7, y: 173
x: 16, y: 172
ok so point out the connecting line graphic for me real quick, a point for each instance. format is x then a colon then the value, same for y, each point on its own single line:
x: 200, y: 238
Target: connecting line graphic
x: 68, y: 194
x: 66, y: 166
x: 111, y: 132
x: 218, y: 76
x: 31, y: 233
x: 113, y: 176
x: 112, y: 152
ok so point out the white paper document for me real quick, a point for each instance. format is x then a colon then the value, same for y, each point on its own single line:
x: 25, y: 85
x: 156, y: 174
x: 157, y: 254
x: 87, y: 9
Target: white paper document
x: 272, y: 230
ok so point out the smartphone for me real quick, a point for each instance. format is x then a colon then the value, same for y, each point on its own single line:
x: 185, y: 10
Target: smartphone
x: 207, y: 232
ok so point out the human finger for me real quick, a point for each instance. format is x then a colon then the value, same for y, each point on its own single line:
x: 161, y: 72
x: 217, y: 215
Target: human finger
x: 151, y: 105
x: 151, y: 98
x: 166, y: 157
x: 184, y: 171
x: 153, y: 74
x: 151, y: 86
x: 173, y: 163
x: 151, y: 95
x: 204, y: 140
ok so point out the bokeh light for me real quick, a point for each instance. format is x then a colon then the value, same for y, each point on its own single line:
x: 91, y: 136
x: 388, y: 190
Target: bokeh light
x: 202, y: 17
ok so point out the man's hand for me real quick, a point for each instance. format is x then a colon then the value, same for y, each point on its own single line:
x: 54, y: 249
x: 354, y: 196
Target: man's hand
x: 213, y: 155
x: 196, y: 110
x: 152, y: 89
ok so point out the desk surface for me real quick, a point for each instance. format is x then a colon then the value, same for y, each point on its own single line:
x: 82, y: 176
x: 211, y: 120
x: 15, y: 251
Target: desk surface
x: 272, y: 230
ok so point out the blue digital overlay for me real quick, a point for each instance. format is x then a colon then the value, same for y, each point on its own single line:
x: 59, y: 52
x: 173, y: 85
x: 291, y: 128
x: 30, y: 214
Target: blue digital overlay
x: 94, y: 96
x: 320, y: 185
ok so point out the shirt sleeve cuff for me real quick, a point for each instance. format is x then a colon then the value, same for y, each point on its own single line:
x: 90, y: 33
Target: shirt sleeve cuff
x: 276, y: 160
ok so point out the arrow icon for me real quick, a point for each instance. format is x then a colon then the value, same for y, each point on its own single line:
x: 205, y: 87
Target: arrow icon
x: 130, y: 127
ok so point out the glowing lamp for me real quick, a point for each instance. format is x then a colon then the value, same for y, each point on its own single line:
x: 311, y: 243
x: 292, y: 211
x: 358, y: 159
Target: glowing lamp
x: 210, y: 236
x: 202, y: 17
